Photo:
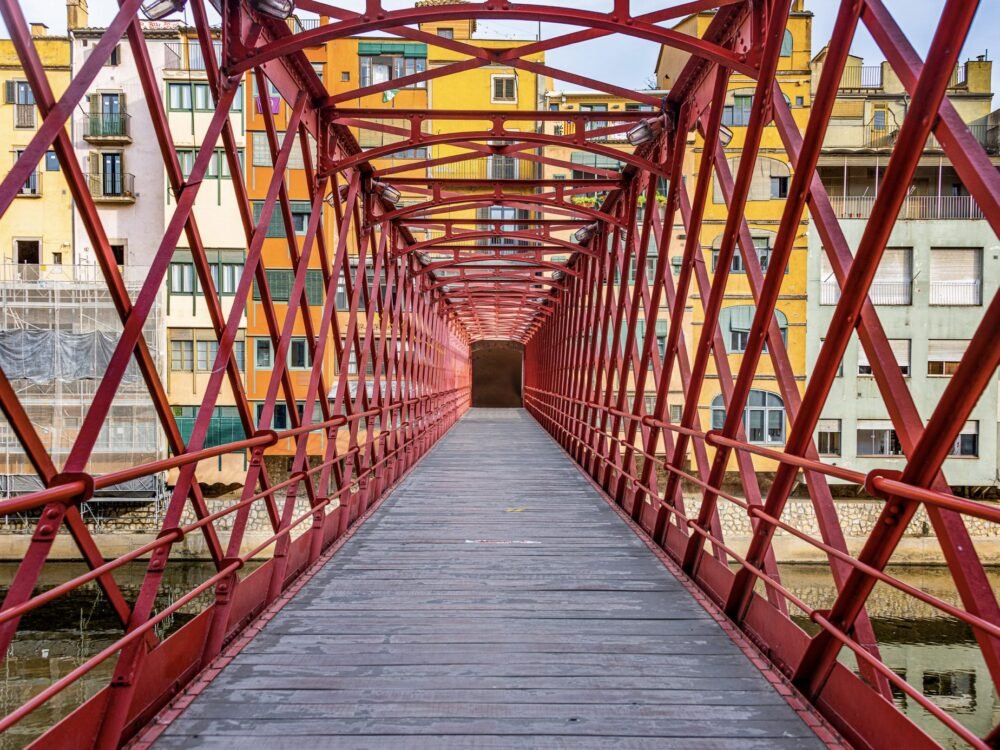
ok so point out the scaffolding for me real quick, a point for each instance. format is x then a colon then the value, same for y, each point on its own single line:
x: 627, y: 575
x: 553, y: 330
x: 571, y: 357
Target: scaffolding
x: 58, y: 328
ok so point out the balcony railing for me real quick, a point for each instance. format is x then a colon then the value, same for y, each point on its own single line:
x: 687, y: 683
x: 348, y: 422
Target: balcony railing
x: 33, y: 185
x: 862, y: 77
x: 174, y: 55
x: 880, y: 293
x: 487, y: 169
x: 957, y: 292
x: 117, y: 186
x: 107, y: 127
x: 915, y: 207
x: 65, y: 274
x: 24, y: 115
x: 569, y: 128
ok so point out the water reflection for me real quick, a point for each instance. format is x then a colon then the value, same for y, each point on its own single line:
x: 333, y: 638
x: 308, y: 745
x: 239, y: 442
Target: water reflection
x: 935, y: 654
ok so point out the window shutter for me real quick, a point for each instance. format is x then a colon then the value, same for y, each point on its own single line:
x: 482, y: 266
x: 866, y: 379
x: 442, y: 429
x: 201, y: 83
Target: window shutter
x: 896, y: 265
x: 314, y: 286
x: 956, y: 264
x: 901, y: 351
x: 946, y: 350
x: 261, y: 153
x: 9, y: 92
x: 94, y: 163
x: 874, y: 424
x: 94, y: 105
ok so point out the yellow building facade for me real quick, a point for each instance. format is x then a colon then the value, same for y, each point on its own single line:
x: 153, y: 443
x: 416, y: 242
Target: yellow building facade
x: 36, y: 232
x: 765, y: 419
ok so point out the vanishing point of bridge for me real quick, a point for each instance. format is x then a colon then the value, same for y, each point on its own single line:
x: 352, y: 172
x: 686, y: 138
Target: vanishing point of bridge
x: 435, y: 573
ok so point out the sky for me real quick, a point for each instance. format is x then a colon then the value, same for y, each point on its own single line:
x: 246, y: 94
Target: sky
x: 630, y: 62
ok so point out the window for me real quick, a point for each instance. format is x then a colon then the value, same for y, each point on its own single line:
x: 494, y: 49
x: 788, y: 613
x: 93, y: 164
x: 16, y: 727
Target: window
x: 182, y: 355
x: 763, y: 247
x: 279, y: 420
x: 231, y: 273
x: 779, y: 187
x: 504, y: 90
x: 763, y: 418
x: 956, y: 276
x: 828, y: 437
x: 943, y: 356
x: 967, y: 442
x: 31, y: 185
x: 737, y: 114
x: 501, y: 167
x: 446, y: 33
x: 276, y: 228
x: 299, y: 357
x: 118, y: 250
x: 263, y: 355
x: 240, y: 352
x: 386, y: 61
x: 502, y: 213
x: 736, y: 322
x: 345, y: 76
x: 57, y: 259
x: 900, y: 350
x: 179, y: 96
x: 20, y: 95
x: 208, y: 350
x: 877, y: 438
x: 800, y: 101
x: 51, y: 161
x: 181, y: 278
x: 892, y: 285
x: 675, y: 412
x: 650, y: 268
x: 342, y: 303
x: 318, y: 69
x: 786, y: 44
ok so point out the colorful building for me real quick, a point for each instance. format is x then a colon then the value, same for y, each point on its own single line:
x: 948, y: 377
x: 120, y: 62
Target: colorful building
x: 939, y: 268
x: 765, y: 420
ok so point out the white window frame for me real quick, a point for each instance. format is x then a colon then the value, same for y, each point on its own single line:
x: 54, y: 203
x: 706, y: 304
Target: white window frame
x: 493, y: 88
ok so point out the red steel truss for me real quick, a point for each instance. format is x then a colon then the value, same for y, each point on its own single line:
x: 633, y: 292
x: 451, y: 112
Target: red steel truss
x: 427, y: 278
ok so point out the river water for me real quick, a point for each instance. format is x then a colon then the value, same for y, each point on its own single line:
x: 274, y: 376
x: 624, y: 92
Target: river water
x: 936, y: 654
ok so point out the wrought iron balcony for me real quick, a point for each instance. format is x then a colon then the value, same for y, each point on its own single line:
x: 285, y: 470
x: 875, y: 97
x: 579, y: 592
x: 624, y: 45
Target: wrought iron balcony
x: 116, y: 187
x: 107, y: 128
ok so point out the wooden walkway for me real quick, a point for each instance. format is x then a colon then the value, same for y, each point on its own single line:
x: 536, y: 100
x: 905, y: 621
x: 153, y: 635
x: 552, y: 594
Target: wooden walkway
x: 494, y: 601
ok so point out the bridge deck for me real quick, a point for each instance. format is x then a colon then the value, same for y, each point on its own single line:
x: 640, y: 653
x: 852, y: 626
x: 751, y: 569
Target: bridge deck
x: 493, y: 601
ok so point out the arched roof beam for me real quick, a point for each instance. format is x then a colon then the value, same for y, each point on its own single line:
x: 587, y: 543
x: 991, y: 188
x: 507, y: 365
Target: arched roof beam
x: 376, y: 18
x: 531, y: 202
x: 485, y: 234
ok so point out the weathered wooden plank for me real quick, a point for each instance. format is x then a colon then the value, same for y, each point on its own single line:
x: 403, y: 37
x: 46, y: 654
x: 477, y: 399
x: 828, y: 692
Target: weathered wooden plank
x: 494, y: 601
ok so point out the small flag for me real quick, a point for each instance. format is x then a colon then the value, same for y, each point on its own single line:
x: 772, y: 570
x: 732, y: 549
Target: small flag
x: 388, y: 96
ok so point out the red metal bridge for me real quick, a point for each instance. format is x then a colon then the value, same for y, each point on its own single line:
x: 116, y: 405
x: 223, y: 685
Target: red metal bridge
x: 456, y: 579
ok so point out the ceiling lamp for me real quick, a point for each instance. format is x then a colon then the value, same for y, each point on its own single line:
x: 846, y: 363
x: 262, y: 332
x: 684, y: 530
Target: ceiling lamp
x: 342, y: 193
x: 388, y: 192
x: 156, y: 10
x: 275, y: 8
x: 645, y: 131
x: 585, y: 233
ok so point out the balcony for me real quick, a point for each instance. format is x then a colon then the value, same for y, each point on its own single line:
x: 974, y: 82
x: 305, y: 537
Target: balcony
x: 880, y: 293
x: 915, y: 207
x: 957, y: 293
x: 175, y: 55
x: 110, y: 128
x: 24, y: 115
x: 861, y: 77
x: 32, y: 186
x: 112, y: 187
x: 502, y: 168
x: 569, y: 128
